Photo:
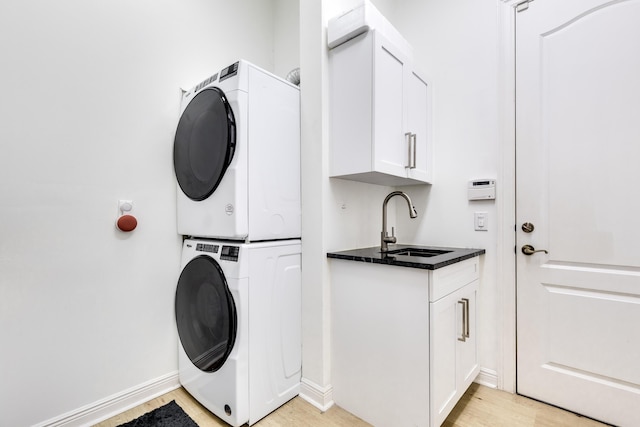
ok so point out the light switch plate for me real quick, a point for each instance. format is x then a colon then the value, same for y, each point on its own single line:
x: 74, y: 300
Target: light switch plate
x: 481, y: 221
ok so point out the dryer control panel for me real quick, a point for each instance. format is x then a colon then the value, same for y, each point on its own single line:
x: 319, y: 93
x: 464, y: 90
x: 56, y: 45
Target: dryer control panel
x: 230, y: 253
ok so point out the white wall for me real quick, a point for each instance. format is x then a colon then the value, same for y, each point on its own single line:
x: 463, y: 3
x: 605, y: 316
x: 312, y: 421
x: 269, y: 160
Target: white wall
x: 90, y: 101
x: 336, y: 214
x: 286, y: 41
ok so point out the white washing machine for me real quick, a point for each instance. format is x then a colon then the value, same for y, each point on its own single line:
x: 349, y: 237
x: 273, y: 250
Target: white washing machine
x: 232, y: 298
x: 237, y: 157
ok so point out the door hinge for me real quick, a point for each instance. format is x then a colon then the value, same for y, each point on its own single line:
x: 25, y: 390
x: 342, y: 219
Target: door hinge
x: 523, y: 5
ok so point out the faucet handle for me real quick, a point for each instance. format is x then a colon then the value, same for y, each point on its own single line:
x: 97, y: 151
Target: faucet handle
x: 392, y: 238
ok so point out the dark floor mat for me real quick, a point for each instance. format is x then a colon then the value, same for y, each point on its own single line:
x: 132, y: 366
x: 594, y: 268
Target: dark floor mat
x: 169, y: 415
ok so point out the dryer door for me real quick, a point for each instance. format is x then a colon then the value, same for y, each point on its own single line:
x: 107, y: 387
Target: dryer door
x: 205, y: 314
x: 204, y: 144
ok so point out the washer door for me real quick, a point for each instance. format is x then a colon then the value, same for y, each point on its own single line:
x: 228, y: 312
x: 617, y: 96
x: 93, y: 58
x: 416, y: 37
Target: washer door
x: 205, y: 314
x: 204, y: 144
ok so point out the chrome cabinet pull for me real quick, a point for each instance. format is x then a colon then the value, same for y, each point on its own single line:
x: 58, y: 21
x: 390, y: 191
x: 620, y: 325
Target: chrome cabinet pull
x: 415, y: 149
x: 411, y: 150
x: 408, y: 138
x: 465, y: 319
x: 466, y: 324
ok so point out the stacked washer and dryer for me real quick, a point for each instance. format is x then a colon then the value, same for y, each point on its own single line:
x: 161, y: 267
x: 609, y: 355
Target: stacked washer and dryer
x: 237, y: 306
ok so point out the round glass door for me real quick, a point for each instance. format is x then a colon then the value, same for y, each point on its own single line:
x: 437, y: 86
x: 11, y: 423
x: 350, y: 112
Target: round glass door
x: 205, y: 314
x: 204, y: 144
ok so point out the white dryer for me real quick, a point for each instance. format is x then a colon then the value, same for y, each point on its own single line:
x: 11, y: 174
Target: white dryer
x: 237, y: 157
x: 231, y: 298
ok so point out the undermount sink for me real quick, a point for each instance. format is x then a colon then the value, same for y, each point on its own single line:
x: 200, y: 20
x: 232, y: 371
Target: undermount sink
x: 417, y: 252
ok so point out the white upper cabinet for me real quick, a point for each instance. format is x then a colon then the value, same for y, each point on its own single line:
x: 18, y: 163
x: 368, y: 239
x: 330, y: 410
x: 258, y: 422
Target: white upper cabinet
x: 380, y: 130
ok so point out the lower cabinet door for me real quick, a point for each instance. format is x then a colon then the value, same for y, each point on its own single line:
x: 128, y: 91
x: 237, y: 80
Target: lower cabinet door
x: 453, y: 347
x: 443, y: 345
x: 467, y: 366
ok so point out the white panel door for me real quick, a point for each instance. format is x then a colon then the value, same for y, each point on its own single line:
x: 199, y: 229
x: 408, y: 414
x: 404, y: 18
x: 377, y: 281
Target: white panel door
x: 578, y: 183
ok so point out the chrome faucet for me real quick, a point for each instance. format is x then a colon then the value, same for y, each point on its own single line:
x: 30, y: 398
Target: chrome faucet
x: 385, y: 239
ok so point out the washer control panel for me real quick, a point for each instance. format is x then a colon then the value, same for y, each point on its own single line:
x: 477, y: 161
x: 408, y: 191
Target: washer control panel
x: 230, y: 253
x: 227, y: 253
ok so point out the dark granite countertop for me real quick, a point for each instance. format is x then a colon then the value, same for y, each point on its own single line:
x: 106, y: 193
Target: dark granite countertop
x: 373, y: 255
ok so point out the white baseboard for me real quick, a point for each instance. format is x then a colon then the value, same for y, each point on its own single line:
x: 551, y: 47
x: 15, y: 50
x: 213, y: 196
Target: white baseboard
x: 320, y: 397
x: 113, y: 405
x: 487, y: 377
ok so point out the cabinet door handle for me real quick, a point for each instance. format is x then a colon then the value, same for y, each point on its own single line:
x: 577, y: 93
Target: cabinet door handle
x: 411, y: 150
x: 409, y: 156
x: 414, y: 138
x: 468, y: 320
x: 465, y: 319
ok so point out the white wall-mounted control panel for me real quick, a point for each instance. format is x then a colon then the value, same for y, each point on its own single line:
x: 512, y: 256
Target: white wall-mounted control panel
x: 482, y: 189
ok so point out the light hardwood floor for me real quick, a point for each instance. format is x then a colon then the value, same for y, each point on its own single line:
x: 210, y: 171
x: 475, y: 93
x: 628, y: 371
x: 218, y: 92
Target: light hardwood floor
x: 480, y: 406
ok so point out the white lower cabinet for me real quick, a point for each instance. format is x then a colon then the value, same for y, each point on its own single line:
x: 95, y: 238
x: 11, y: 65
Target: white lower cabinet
x: 396, y: 359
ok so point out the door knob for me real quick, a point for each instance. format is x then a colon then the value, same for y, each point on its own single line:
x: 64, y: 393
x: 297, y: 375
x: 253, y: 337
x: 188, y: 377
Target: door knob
x: 530, y: 250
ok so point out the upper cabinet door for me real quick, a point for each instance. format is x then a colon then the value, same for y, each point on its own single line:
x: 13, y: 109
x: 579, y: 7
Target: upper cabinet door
x: 418, y: 127
x: 390, y: 149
